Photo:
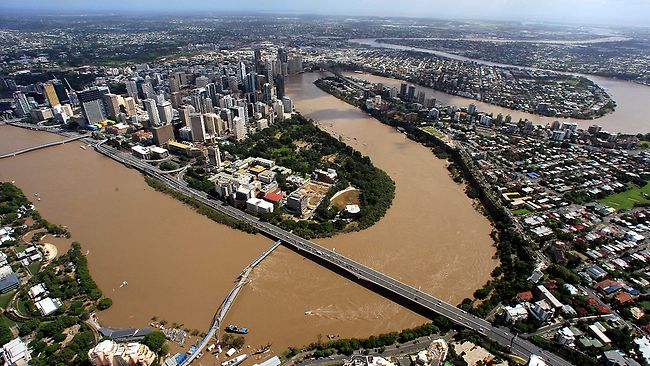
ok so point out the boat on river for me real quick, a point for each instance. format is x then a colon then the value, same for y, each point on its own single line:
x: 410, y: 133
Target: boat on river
x: 237, y: 329
x: 235, y: 361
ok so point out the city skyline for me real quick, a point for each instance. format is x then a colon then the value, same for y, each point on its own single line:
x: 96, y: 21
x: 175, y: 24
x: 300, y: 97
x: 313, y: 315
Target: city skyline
x: 610, y: 12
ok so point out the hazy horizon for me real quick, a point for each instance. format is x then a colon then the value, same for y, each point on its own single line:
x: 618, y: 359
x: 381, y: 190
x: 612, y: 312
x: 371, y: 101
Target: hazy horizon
x: 610, y: 12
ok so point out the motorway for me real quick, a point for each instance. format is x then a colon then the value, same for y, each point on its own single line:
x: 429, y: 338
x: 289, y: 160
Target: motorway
x: 357, y: 270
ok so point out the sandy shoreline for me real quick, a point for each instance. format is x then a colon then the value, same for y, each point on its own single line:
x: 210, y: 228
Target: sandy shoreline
x: 51, y: 251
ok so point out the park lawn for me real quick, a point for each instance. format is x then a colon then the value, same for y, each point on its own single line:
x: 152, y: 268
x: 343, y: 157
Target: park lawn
x: 521, y: 212
x: 625, y: 200
x: 432, y: 131
x: 350, y: 197
x: 5, y: 298
x: 644, y: 144
x: 21, y: 307
x: 8, y: 322
x: 34, y: 267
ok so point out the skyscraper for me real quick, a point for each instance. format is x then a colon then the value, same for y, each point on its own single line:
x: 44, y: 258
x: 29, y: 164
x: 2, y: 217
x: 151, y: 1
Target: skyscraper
x: 92, y: 105
x: 152, y: 111
x: 165, y: 112
x: 50, y: 94
x: 257, y: 60
x: 239, y: 128
x: 132, y: 89
x: 288, y: 104
x: 197, y: 126
x: 22, y: 104
x: 214, y: 156
x: 279, y: 86
x: 113, y: 103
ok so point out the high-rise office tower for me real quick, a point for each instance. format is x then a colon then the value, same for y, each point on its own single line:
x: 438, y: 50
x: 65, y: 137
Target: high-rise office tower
x: 22, y: 104
x: 61, y: 92
x: 92, y: 104
x: 197, y: 126
x: 214, y: 156
x: 257, y: 60
x: 267, y: 93
x: 288, y: 104
x: 129, y: 105
x: 50, y: 94
x: 410, y: 94
x: 185, y: 112
x: 294, y: 65
x: 113, y: 103
x: 165, y: 112
x: 402, y: 90
x: 239, y: 128
x: 279, y: 86
x: 132, y: 89
x: 152, y: 110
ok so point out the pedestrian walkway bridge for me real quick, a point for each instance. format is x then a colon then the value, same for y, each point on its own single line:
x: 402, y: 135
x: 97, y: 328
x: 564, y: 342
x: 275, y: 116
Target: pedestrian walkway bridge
x: 42, y: 146
x: 227, y: 303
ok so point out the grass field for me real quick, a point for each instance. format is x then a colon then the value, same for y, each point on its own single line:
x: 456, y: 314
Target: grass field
x: 626, y: 200
x: 350, y: 197
x: 34, y: 267
x: 521, y: 212
x: 433, y: 131
x: 4, y: 298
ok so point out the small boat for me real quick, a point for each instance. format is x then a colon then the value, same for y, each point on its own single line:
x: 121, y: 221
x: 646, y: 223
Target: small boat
x: 235, y: 361
x: 309, y: 312
x: 236, y: 329
x: 124, y: 283
x: 82, y: 147
x: 39, y: 198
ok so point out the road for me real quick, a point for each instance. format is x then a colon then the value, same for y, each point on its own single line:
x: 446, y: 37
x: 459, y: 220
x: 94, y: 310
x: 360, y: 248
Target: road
x: 377, y: 280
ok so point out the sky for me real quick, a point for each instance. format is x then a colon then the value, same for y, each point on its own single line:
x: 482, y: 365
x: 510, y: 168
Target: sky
x: 617, y: 12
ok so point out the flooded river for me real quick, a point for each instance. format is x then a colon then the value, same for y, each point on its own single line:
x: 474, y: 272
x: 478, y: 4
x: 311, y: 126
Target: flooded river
x: 432, y: 238
x: 632, y: 114
x: 179, y: 265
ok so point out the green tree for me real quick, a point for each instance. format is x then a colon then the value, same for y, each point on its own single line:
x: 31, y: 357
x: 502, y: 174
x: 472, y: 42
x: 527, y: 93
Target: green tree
x: 104, y: 303
x: 5, y: 334
x: 155, y: 341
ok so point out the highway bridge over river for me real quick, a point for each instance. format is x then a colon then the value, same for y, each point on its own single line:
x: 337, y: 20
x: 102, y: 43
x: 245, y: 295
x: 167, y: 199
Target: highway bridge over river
x: 372, y: 279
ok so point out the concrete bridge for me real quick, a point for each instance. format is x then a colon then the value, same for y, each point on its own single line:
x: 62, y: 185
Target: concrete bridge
x: 383, y: 284
x: 42, y: 146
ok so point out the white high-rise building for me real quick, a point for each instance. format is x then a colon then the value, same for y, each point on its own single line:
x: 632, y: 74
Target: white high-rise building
x: 165, y: 112
x: 239, y: 128
x: 288, y: 104
x: 152, y: 111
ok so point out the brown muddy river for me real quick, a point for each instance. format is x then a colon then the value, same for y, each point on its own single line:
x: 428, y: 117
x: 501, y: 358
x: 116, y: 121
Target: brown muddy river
x: 180, y: 266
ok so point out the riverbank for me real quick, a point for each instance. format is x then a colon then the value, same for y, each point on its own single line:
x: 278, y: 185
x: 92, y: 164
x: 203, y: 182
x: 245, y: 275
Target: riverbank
x: 506, y: 277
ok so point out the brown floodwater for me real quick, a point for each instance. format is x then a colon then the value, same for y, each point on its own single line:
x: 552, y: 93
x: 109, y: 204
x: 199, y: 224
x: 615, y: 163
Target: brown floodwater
x: 432, y: 238
x: 14, y: 139
x: 180, y: 266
